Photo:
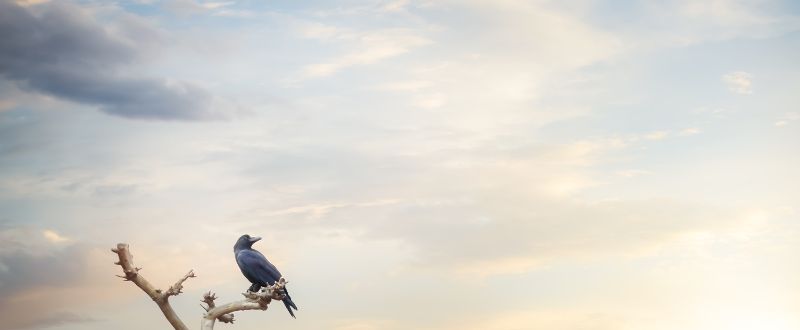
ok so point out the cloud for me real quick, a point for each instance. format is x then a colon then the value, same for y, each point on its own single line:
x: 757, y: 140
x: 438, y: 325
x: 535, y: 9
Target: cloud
x: 739, y: 82
x: 54, y: 237
x: 478, y: 62
x: 26, y: 3
x: 689, y: 131
x: 373, y: 8
x: 499, y: 234
x: 632, y: 173
x: 370, y: 47
x: 60, y: 50
x: 32, y: 262
x: 405, y: 86
x: 685, y: 22
x: 191, y: 7
x: 7, y: 104
x: 508, y: 210
x: 540, y: 318
x: 657, y: 135
x: 787, y: 118
x: 722, y: 12
x: 458, y: 170
x: 48, y: 320
x: 31, y: 257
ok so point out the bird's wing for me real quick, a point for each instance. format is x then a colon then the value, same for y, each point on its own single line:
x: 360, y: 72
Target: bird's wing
x: 254, y: 264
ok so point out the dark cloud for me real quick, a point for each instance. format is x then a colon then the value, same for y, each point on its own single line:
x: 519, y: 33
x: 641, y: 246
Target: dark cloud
x: 28, y: 260
x: 59, y: 50
x: 30, y: 263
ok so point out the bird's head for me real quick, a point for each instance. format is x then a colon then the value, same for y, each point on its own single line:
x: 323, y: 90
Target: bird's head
x: 245, y: 242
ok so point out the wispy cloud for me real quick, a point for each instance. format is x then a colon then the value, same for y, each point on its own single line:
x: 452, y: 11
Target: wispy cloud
x: 787, y: 118
x: 368, y: 9
x: 193, y: 7
x: 681, y: 23
x: 739, y: 82
x: 657, y: 135
x: 689, y: 131
x: 370, y: 47
x: 54, y: 237
x: 632, y: 173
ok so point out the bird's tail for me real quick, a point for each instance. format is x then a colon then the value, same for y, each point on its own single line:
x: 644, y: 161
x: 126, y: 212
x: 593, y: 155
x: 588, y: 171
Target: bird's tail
x: 287, y: 301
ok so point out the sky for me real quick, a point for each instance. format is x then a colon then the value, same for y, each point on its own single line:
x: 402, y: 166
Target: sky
x: 452, y: 164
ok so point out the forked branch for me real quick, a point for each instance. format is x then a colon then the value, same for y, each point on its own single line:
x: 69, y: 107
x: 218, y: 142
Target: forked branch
x: 161, y: 298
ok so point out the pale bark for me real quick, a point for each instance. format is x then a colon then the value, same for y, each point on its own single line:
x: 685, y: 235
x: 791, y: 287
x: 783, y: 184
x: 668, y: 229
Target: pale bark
x: 253, y: 301
x: 161, y: 298
x: 223, y: 313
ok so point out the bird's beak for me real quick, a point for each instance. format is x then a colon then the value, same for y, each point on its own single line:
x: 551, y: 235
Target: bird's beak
x: 254, y: 239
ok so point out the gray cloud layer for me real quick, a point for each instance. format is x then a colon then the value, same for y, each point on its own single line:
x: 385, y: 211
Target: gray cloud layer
x: 29, y: 263
x: 51, y: 320
x: 59, y: 51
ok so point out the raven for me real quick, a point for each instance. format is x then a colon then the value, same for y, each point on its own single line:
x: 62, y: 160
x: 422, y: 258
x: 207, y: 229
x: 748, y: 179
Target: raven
x: 257, y: 269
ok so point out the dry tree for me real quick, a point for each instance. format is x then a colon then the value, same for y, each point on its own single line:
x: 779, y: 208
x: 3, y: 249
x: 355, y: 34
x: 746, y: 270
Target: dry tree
x: 223, y: 313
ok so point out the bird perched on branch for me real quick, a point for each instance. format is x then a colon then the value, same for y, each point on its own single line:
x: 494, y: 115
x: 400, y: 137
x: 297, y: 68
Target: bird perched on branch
x: 257, y: 269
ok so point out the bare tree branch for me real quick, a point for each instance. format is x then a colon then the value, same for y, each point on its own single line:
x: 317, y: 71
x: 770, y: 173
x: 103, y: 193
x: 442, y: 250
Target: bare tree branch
x: 223, y: 313
x: 161, y: 298
x: 253, y: 301
x: 209, y: 298
x: 177, y: 288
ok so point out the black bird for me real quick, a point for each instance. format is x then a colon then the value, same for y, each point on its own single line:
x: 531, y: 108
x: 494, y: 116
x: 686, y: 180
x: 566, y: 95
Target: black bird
x: 257, y: 269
